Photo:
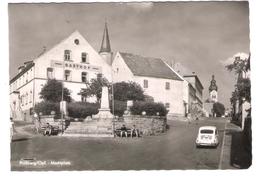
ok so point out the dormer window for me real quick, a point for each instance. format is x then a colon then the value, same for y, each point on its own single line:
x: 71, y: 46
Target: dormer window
x: 67, y: 55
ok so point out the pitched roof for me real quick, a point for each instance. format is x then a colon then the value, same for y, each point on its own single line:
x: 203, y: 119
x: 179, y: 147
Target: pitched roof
x: 148, y: 66
x: 25, y: 69
x: 196, y: 77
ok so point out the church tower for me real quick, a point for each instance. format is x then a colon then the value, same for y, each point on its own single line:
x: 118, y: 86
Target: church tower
x: 105, y: 49
x: 213, y: 90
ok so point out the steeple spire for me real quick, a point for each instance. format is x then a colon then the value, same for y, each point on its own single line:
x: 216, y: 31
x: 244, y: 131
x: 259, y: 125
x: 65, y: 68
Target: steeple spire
x: 213, y: 85
x: 105, y: 45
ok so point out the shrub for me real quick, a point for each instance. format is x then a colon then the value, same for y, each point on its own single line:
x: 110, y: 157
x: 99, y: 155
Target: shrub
x: 46, y: 107
x: 151, y: 108
x: 82, y: 109
x: 120, y: 107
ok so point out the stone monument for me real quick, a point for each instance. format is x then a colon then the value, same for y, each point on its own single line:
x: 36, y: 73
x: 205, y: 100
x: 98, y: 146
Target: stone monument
x: 104, y: 111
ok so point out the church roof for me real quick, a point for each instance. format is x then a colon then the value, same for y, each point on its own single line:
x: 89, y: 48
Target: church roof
x: 148, y: 66
x: 105, y: 45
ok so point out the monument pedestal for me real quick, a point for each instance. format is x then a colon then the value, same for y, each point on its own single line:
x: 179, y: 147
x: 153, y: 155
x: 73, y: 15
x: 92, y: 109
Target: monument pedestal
x: 100, y: 126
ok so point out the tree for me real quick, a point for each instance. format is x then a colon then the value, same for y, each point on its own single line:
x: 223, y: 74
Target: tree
x: 124, y: 91
x: 218, y: 109
x: 52, y: 91
x: 243, y: 87
x: 94, y: 87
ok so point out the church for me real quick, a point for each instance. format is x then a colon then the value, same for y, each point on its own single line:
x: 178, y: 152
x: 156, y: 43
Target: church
x: 74, y: 62
x: 213, y: 97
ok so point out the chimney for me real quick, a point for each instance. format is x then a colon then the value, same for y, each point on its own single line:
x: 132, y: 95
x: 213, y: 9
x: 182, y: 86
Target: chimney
x: 20, y: 68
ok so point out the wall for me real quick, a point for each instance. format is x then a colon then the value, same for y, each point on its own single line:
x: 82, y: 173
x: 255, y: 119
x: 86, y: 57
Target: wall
x: 156, y: 89
x: 57, y: 54
x: 147, y: 125
x: 121, y: 72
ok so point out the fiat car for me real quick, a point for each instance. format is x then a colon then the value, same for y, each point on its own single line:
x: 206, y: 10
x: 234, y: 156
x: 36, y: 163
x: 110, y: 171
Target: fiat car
x: 207, y: 136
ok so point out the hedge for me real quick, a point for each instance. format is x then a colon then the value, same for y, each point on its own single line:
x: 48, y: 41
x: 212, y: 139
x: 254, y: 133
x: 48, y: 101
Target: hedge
x: 120, y: 107
x: 75, y: 110
x: 45, y: 107
x: 151, y: 108
x: 82, y: 109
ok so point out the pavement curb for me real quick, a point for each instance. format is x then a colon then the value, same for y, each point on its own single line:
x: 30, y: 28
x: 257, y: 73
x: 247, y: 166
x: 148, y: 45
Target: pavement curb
x: 226, y: 147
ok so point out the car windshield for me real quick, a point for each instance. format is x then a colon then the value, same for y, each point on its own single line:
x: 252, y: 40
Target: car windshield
x: 207, y: 131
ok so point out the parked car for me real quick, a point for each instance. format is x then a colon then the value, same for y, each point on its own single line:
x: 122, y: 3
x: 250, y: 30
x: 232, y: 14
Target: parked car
x: 207, y: 136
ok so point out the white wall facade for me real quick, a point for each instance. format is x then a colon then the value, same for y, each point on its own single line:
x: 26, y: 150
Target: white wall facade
x: 156, y: 86
x: 25, y: 89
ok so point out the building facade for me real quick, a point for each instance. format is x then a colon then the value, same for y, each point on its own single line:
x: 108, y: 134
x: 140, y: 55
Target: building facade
x: 155, y: 77
x: 72, y: 61
x: 197, y: 85
x: 75, y: 62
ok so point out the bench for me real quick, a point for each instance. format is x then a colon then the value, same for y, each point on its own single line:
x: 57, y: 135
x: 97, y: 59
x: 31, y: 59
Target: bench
x: 117, y: 133
x: 54, y: 130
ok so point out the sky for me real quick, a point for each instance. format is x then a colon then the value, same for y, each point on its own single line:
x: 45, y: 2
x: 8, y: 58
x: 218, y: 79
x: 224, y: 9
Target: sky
x: 202, y: 36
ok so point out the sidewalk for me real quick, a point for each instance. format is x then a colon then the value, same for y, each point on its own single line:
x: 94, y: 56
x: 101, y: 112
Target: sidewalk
x: 235, y: 155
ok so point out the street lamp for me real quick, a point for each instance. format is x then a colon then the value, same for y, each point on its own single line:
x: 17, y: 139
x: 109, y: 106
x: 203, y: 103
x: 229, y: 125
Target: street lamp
x: 62, y: 98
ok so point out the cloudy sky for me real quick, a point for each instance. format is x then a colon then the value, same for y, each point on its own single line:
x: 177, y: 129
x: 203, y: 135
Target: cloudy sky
x: 202, y: 36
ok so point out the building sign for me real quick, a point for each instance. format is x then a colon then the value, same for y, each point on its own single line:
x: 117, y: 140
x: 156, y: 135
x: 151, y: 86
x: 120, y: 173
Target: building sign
x: 77, y: 66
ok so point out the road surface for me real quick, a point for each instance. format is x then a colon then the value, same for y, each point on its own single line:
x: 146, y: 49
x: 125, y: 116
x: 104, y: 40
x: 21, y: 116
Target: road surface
x: 174, y: 149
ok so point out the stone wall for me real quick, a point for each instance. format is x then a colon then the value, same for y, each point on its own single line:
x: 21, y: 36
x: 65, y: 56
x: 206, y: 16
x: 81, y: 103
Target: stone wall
x: 147, y: 125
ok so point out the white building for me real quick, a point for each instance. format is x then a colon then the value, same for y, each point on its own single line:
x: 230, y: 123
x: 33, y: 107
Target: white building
x: 154, y: 76
x: 73, y: 61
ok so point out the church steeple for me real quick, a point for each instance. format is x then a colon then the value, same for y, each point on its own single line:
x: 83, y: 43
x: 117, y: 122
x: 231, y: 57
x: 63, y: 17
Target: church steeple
x: 213, y: 85
x: 105, y: 45
x: 105, y: 50
x: 213, y: 90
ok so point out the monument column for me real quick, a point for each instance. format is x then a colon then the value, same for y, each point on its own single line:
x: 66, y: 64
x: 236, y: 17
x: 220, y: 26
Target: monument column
x: 104, y: 111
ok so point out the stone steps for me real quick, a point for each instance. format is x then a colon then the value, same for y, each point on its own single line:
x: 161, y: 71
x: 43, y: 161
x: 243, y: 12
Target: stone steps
x: 87, y: 135
x: 92, y: 128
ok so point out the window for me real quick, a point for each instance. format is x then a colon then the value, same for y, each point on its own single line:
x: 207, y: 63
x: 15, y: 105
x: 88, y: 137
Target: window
x: 84, y: 57
x: 67, y: 75
x: 167, y: 105
x: 30, y: 96
x: 84, y: 77
x: 67, y: 54
x: 145, y: 83
x: 26, y: 98
x: 76, y: 41
x: 206, y: 131
x: 50, y: 73
x: 167, y: 85
x: 26, y: 76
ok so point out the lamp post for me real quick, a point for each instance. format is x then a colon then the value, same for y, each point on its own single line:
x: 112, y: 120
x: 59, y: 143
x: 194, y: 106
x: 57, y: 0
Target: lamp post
x: 62, y: 98
x: 113, y: 99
